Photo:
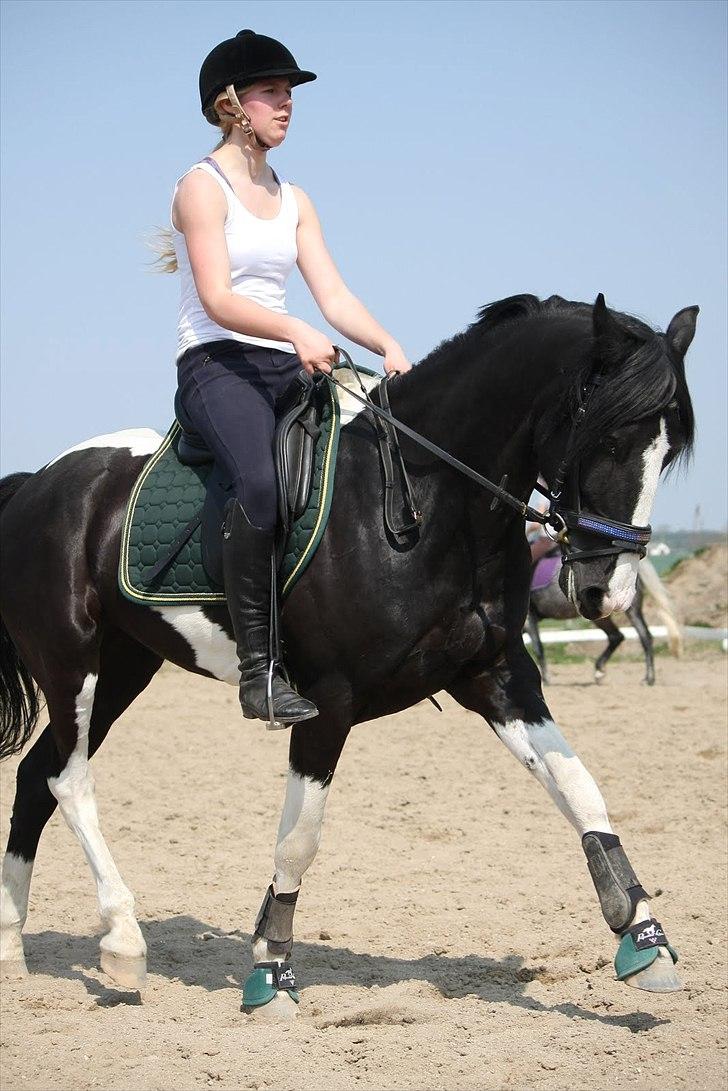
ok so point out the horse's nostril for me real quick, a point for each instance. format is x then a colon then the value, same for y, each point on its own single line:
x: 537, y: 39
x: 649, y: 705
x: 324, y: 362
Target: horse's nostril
x: 590, y: 601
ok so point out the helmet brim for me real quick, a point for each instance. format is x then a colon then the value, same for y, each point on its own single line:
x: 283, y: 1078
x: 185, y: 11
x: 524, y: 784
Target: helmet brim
x: 295, y: 75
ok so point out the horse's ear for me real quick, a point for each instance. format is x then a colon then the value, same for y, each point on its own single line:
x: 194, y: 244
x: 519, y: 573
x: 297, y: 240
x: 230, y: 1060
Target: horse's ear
x: 613, y: 339
x: 681, y: 330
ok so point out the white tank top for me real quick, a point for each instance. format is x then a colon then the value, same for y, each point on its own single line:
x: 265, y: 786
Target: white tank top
x: 262, y: 254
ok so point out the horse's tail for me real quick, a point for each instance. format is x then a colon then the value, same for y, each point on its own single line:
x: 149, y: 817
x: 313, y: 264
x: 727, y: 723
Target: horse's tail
x: 19, y: 703
x: 656, y: 589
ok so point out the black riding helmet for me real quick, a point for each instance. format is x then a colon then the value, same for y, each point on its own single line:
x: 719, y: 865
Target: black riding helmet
x: 242, y: 60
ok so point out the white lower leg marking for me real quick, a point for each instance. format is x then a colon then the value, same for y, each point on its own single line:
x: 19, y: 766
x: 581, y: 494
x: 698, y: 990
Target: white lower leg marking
x: 213, y: 649
x: 74, y: 790
x: 16, y: 877
x: 641, y: 913
x: 620, y: 591
x: 299, y: 832
x: 544, y: 751
x: 299, y: 835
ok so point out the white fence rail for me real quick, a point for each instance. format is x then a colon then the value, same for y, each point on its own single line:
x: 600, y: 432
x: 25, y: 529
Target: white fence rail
x: 579, y: 636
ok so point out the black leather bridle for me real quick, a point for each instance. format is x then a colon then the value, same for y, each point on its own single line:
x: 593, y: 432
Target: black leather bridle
x: 574, y: 521
x: 560, y: 522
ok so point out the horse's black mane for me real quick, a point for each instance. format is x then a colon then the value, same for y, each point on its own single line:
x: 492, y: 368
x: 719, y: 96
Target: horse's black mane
x: 646, y: 375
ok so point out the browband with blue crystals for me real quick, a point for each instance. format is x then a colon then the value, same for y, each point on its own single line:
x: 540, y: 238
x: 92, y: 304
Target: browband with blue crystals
x: 620, y: 532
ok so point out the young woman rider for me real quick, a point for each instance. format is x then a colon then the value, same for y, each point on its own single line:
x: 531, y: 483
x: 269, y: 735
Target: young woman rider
x: 237, y: 232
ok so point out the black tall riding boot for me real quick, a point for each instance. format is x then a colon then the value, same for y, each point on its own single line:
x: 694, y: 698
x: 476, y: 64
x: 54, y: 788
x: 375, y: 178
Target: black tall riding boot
x: 246, y: 562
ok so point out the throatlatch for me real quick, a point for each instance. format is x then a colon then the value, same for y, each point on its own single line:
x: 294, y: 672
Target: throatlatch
x: 618, y: 888
x: 274, y: 922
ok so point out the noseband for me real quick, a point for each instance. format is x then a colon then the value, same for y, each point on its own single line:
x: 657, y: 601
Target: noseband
x: 563, y: 524
x: 559, y: 521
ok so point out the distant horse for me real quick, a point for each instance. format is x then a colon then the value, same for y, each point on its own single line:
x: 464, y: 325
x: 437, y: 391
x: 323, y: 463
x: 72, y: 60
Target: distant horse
x: 595, y: 400
x: 549, y: 601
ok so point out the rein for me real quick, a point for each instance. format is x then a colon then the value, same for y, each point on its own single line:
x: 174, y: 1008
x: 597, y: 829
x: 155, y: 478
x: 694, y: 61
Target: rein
x: 559, y: 520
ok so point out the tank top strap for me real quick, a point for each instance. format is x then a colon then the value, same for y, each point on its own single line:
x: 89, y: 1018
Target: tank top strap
x: 214, y: 173
x: 289, y: 204
x: 217, y: 168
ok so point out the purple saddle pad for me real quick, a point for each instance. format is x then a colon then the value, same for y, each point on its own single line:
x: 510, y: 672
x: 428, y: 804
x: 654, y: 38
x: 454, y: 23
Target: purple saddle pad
x: 544, y: 572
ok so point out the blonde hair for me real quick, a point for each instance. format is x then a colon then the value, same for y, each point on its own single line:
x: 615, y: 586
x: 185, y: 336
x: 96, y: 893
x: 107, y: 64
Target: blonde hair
x: 161, y: 242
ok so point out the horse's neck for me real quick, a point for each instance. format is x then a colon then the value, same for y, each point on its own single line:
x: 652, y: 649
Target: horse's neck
x: 479, y: 397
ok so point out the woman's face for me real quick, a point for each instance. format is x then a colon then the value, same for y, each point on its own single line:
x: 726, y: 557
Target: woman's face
x: 269, y: 106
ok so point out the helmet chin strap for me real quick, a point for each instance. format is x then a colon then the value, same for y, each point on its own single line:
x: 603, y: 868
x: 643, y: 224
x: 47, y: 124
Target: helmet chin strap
x: 243, y: 120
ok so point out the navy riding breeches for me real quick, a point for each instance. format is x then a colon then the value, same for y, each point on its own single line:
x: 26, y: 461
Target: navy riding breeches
x: 229, y: 391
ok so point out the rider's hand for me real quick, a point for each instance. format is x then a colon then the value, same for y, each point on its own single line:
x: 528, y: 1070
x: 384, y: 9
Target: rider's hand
x: 395, y: 361
x: 313, y: 349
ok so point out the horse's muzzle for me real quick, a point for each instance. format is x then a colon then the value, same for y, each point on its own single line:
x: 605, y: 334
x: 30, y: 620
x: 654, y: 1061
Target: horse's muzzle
x: 592, y: 602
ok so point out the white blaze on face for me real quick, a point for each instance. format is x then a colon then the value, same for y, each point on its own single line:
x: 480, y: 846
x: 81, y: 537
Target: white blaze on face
x: 622, y: 583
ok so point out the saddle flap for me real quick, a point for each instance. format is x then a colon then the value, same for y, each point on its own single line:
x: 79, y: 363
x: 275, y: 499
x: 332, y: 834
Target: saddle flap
x: 295, y: 446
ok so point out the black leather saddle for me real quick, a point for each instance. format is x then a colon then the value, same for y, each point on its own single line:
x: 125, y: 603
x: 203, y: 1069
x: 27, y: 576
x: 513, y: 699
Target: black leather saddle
x: 299, y: 414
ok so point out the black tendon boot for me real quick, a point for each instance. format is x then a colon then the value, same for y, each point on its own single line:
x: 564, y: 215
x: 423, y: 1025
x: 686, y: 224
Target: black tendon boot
x: 246, y: 562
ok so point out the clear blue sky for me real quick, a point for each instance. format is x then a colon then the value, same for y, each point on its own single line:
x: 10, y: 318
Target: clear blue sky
x: 457, y: 153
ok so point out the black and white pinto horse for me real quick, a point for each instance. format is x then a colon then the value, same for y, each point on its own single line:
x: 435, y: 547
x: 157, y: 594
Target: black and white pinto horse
x: 374, y: 626
x: 550, y: 602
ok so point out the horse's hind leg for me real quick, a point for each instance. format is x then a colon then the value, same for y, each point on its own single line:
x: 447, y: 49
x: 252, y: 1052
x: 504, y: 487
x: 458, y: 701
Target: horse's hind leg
x: 45, y: 777
x: 614, y: 639
x: 34, y: 804
x: 634, y: 613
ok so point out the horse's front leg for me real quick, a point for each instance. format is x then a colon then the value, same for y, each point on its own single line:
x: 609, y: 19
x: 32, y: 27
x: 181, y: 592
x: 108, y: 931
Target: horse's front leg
x: 509, y: 697
x: 537, y: 644
x: 270, y: 990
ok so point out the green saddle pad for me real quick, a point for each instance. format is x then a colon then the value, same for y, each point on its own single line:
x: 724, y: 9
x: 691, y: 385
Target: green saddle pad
x: 168, y: 495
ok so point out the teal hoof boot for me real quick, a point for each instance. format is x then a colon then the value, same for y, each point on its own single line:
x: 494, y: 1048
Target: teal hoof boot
x: 645, y: 960
x: 270, y: 991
